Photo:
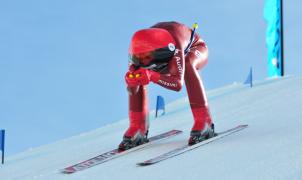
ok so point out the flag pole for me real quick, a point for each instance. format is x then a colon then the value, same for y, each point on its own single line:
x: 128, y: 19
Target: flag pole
x: 282, y: 42
x: 3, y: 142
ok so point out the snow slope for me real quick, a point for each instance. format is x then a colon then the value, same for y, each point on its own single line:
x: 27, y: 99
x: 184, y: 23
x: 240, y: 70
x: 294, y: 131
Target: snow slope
x: 270, y: 148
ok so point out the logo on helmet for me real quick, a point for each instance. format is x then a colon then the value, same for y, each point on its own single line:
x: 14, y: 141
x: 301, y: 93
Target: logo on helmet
x: 171, y: 47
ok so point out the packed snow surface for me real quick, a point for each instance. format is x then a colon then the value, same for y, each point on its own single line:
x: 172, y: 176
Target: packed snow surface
x: 270, y: 148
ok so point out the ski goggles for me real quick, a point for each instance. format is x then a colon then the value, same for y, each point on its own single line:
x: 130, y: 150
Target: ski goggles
x: 152, y: 59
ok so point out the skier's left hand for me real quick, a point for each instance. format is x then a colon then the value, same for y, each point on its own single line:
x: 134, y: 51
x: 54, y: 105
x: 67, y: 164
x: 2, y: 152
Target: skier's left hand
x: 141, y: 77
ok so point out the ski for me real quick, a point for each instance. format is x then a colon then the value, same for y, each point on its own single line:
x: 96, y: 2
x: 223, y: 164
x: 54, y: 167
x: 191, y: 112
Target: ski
x: 186, y: 148
x: 115, y: 153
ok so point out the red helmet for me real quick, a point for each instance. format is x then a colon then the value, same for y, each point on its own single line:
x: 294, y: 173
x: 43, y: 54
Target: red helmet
x: 151, y: 46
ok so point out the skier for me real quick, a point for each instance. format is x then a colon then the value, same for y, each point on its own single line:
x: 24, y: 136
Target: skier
x: 168, y: 54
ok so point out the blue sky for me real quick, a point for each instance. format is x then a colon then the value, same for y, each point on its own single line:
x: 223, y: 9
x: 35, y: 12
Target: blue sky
x: 62, y: 63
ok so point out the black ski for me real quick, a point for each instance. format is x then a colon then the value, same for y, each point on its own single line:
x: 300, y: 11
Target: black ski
x: 186, y: 148
x: 115, y: 153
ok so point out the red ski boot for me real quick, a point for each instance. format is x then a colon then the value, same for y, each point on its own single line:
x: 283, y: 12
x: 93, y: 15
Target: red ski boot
x: 137, y: 133
x: 203, y: 127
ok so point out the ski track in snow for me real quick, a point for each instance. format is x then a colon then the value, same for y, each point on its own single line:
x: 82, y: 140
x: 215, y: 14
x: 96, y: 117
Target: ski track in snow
x: 270, y: 148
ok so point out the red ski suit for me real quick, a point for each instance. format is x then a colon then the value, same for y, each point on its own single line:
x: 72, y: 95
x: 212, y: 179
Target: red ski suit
x: 181, y: 69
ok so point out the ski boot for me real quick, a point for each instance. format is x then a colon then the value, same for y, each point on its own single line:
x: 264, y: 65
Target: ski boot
x: 131, y: 142
x: 198, y: 136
